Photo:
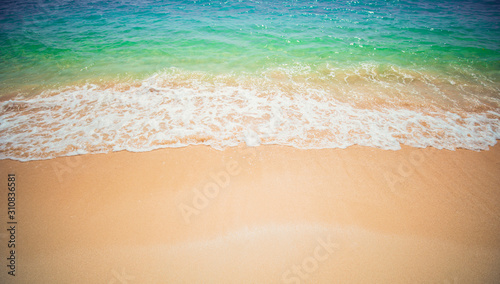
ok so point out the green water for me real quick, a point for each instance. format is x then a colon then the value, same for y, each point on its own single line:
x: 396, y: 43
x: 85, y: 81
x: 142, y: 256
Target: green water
x: 46, y: 44
x: 94, y: 76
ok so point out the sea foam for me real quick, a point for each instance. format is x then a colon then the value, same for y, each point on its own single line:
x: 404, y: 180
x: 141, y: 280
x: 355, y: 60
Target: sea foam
x: 152, y: 114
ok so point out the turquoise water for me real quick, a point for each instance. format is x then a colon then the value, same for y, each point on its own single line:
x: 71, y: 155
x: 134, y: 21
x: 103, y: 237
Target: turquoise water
x: 49, y: 42
x: 431, y: 58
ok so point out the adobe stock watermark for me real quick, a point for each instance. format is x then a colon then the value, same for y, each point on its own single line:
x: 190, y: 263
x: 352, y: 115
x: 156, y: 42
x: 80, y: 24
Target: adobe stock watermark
x: 406, y: 168
x: 217, y: 182
x: 253, y: 136
x: 40, y: 14
x: 451, y: 281
x: 310, y: 264
x: 67, y: 167
x: 120, y: 277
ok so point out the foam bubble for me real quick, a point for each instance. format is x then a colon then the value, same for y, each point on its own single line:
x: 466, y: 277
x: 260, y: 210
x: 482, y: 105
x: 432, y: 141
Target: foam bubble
x: 251, y: 138
x: 180, y: 109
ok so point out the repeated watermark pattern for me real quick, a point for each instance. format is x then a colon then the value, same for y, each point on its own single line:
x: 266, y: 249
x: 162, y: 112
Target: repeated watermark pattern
x: 120, y: 277
x: 451, y: 281
x: 66, y: 168
x: 209, y: 191
x: 406, y: 168
x: 297, y: 273
x: 202, y: 196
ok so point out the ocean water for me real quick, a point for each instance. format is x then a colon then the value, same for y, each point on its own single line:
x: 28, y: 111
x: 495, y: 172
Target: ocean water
x: 93, y: 76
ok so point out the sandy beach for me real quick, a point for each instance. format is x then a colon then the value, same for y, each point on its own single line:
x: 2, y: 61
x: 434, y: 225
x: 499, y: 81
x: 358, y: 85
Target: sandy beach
x: 249, y: 142
x: 267, y: 214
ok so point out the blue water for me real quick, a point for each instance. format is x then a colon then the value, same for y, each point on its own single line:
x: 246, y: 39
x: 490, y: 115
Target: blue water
x: 422, y: 56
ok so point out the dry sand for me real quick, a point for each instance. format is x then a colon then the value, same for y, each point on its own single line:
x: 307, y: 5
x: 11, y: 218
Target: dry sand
x: 269, y: 214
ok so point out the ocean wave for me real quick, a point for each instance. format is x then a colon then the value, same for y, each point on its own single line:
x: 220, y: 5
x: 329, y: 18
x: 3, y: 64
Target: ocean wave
x: 285, y: 106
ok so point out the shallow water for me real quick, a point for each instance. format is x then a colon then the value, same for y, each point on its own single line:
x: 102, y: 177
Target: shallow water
x: 99, y: 76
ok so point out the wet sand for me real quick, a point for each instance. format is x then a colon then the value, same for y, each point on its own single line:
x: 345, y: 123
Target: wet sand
x: 269, y: 214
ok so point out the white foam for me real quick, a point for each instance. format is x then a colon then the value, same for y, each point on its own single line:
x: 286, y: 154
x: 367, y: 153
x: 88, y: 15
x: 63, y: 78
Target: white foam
x: 155, y: 114
x: 251, y: 138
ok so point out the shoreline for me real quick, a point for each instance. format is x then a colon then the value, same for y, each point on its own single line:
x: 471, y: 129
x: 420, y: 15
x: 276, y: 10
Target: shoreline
x: 243, y: 145
x: 271, y: 213
x: 180, y: 110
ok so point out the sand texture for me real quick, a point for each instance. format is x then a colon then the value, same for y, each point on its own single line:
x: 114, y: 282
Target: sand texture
x: 268, y: 214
